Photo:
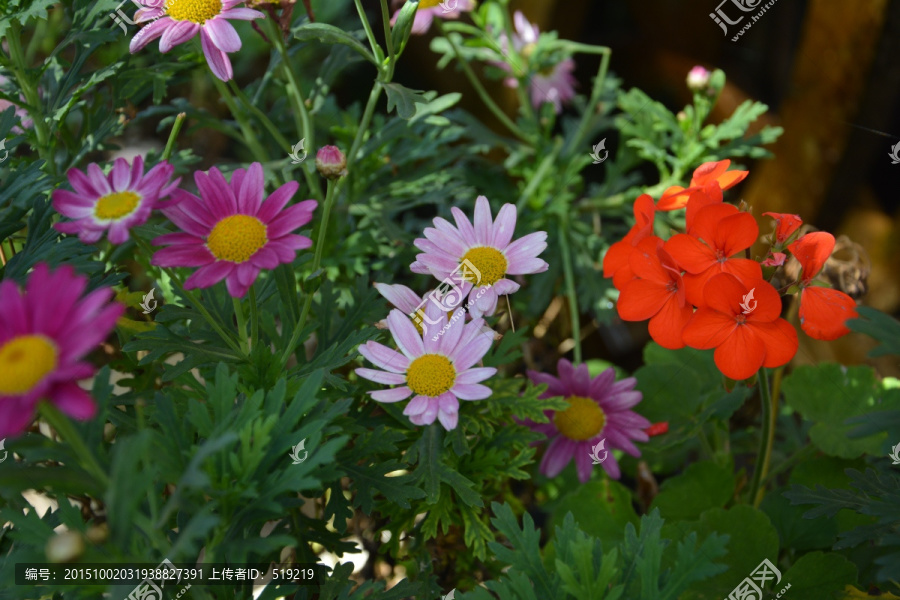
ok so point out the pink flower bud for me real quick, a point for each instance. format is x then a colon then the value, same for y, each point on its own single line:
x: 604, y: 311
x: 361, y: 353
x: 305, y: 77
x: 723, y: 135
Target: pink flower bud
x: 698, y: 79
x: 331, y: 162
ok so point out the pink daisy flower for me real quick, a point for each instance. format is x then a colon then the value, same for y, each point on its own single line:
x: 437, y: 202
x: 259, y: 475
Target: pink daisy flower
x: 177, y: 21
x: 554, y: 84
x: 45, y: 334
x: 429, y: 9
x: 486, y: 249
x: 438, y: 372
x: 598, y: 410
x: 230, y: 232
x: 115, y: 202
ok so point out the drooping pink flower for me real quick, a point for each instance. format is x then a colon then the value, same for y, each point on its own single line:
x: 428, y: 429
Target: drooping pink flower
x: 177, y: 21
x: 45, y: 333
x: 442, y: 9
x: 437, y: 370
x: 598, y: 410
x: 230, y: 232
x: 114, y: 203
x: 483, y: 253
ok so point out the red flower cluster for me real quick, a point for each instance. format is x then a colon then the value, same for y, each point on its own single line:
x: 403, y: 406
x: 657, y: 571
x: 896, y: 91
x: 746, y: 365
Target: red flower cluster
x: 699, y: 289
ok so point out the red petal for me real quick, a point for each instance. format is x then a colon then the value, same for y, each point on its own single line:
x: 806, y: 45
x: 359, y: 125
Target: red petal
x: 724, y: 293
x: 673, y: 198
x: 657, y: 428
x: 691, y: 254
x: 622, y: 277
x: 707, y: 329
x: 616, y: 257
x: 695, y: 284
x: 824, y: 312
x: 785, y: 225
x: 640, y: 299
x: 741, y: 355
x: 731, y: 178
x: 736, y: 233
x: 743, y: 268
x: 667, y: 326
x: 780, y: 340
x: 812, y: 250
x: 709, y: 172
x: 766, y: 304
x: 707, y: 220
x: 645, y: 262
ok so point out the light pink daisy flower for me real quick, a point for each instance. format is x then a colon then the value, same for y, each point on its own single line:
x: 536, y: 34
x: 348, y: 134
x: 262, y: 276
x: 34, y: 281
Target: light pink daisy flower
x: 429, y: 9
x: 115, y: 202
x: 438, y: 372
x: 230, y: 232
x: 598, y: 410
x: 554, y: 84
x: 177, y: 21
x: 45, y: 334
x: 482, y: 254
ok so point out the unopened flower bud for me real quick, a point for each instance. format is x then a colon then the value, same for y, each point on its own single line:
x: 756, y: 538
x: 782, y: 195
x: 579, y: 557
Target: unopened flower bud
x: 698, y: 79
x: 331, y: 162
x: 67, y: 546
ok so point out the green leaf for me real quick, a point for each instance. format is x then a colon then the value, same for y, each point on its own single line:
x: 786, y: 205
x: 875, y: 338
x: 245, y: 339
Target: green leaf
x: 403, y: 26
x: 525, y: 555
x: 332, y: 35
x: 701, y: 486
x: 403, y: 98
x: 22, y: 10
x: 600, y: 508
x: 819, y: 576
x: 879, y: 326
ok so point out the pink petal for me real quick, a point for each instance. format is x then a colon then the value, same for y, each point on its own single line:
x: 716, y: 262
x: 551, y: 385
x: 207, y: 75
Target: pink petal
x: 405, y: 334
x: 557, y: 456
x: 219, y: 62
x: 383, y: 357
x: 484, y: 233
x: 149, y: 33
x: 178, y: 33
x: 223, y: 35
x: 74, y: 401
x: 209, y: 275
x: 391, y: 395
x: 381, y: 376
x: 471, y: 391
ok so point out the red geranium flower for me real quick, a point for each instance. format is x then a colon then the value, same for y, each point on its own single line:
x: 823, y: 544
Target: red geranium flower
x: 823, y: 311
x: 615, y: 263
x: 785, y: 225
x: 657, y: 294
x: 708, y: 177
x: 725, y: 231
x: 741, y: 321
x: 657, y: 428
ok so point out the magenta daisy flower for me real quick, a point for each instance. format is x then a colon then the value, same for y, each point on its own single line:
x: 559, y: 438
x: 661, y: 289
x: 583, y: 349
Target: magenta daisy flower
x: 45, y: 334
x: 443, y: 9
x: 598, y: 410
x: 115, y: 202
x: 230, y: 232
x: 177, y: 21
x: 554, y: 84
x: 484, y: 254
x: 437, y: 370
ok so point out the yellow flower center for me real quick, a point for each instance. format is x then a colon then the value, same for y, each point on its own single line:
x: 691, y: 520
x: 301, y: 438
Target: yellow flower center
x: 429, y: 3
x: 116, y: 205
x: 583, y: 420
x: 237, y: 238
x: 24, y: 361
x: 197, y: 11
x: 490, y: 262
x: 430, y: 375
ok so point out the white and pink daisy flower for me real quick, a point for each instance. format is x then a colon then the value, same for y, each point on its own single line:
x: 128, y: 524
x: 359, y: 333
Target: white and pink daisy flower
x: 484, y: 253
x: 442, y: 9
x: 177, y: 21
x: 598, y: 410
x: 112, y: 203
x: 45, y: 334
x: 554, y: 84
x: 437, y: 371
x: 230, y: 232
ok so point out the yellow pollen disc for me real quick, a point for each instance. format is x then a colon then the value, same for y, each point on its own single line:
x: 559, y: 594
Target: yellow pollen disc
x: 197, y: 11
x: 429, y: 3
x: 116, y: 205
x: 430, y: 375
x: 490, y: 262
x: 24, y: 361
x: 583, y: 420
x: 237, y: 238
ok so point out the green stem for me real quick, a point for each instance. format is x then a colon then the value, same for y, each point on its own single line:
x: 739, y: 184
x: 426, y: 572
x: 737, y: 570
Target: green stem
x: 588, y: 115
x: 254, y: 318
x: 30, y: 91
x: 766, y: 439
x: 376, y: 49
x: 266, y: 121
x: 241, y: 324
x: 246, y: 128
x: 538, y: 176
x: 570, y: 286
x: 66, y: 431
x: 386, y: 22
x: 482, y: 93
x: 173, y: 135
x: 317, y: 261
x: 518, y: 66
x: 364, y: 124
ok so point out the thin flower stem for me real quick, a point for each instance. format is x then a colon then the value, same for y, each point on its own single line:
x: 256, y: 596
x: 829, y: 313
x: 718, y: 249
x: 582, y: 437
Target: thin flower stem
x: 574, y: 315
x: 317, y: 261
x: 173, y: 135
x: 266, y: 121
x: 254, y: 319
x: 246, y: 128
x: 518, y: 67
x: 386, y: 22
x: 241, y: 324
x: 376, y: 49
x: 30, y: 91
x: 364, y: 124
x: 588, y: 115
x: 482, y: 93
x: 766, y: 439
x: 64, y: 428
x: 539, y: 174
